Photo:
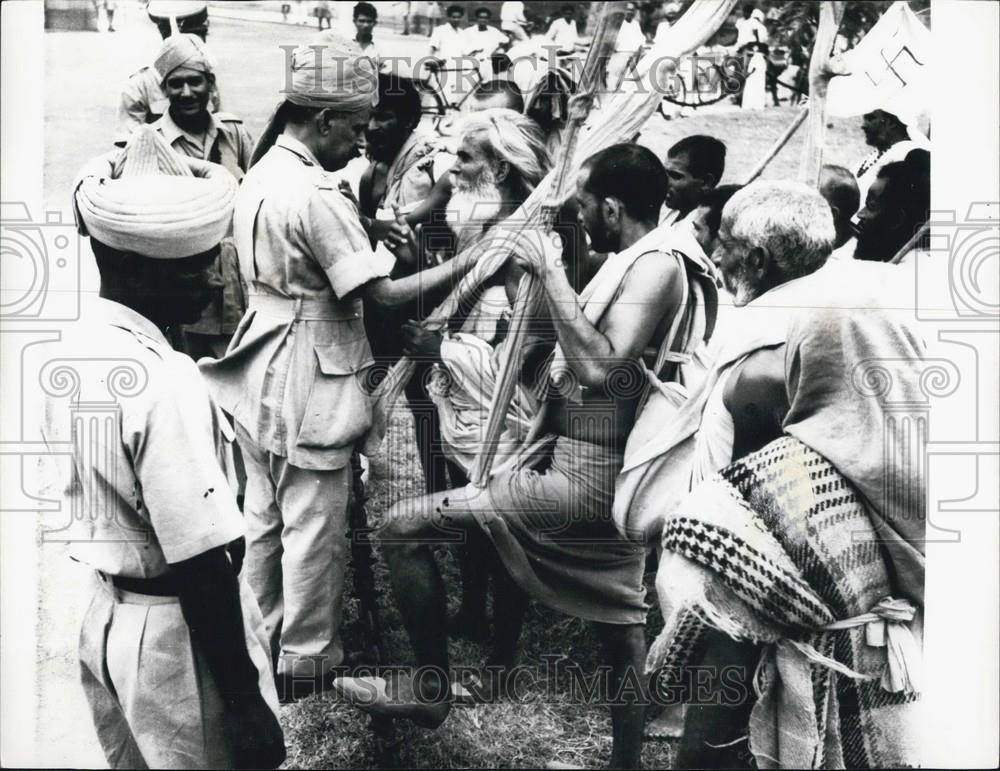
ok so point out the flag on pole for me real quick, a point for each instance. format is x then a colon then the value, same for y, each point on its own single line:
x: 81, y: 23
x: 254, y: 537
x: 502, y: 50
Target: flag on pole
x: 888, y: 70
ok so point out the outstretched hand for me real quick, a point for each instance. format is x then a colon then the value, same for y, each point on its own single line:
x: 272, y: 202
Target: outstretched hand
x: 400, y: 239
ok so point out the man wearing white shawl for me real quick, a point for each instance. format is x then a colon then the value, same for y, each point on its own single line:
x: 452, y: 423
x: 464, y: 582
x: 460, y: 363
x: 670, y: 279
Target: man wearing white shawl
x: 173, y: 660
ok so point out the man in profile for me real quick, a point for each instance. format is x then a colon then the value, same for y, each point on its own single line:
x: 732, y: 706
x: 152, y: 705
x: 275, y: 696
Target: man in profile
x: 173, y: 660
x: 553, y: 528
x: 694, y: 164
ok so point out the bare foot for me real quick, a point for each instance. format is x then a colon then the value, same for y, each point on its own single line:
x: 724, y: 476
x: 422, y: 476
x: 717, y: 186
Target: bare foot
x: 375, y: 696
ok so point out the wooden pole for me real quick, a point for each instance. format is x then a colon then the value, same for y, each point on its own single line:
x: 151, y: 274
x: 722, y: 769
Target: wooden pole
x: 830, y: 14
x: 529, y: 290
x: 776, y: 148
x: 905, y: 249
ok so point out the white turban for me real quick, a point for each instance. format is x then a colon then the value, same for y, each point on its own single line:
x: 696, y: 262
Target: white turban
x: 182, y: 51
x: 155, y: 202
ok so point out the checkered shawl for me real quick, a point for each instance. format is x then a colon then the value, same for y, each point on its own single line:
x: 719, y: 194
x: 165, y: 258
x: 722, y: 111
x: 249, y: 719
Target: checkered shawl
x: 773, y: 547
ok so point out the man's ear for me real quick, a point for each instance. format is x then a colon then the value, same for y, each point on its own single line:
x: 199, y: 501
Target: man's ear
x: 501, y: 171
x: 322, y: 121
x: 758, y: 262
x: 709, y: 181
x: 612, y: 210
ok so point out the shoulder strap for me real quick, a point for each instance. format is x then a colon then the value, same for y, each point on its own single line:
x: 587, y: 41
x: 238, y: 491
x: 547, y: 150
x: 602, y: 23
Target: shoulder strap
x: 666, y: 352
x: 677, y: 326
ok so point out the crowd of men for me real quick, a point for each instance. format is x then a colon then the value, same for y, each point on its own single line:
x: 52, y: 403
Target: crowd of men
x: 225, y: 595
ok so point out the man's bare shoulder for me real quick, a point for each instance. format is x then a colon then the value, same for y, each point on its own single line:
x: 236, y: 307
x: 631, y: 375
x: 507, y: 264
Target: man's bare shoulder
x: 655, y: 277
x: 758, y: 383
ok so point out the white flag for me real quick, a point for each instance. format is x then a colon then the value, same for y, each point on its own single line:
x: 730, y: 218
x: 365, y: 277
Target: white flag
x: 888, y: 70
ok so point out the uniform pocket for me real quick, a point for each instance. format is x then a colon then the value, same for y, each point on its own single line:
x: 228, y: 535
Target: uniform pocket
x: 338, y: 408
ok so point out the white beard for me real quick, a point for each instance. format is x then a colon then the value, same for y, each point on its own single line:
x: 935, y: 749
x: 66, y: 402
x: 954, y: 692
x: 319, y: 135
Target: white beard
x: 471, y: 207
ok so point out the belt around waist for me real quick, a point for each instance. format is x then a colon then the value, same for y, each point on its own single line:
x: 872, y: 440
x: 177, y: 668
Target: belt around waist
x: 160, y: 586
x: 304, y: 309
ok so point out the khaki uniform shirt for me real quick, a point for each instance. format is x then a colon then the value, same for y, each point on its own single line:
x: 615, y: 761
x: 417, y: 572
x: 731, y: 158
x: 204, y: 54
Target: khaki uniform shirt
x: 143, y: 101
x: 228, y: 143
x: 293, y: 376
x: 137, y: 446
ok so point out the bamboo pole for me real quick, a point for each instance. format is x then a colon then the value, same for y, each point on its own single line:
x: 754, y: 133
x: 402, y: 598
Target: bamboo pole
x: 780, y: 143
x: 529, y: 290
x: 905, y: 249
x: 830, y: 14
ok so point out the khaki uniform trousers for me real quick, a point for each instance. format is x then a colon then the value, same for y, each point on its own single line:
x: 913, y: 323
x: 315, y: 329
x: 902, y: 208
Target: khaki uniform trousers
x: 151, y: 695
x: 296, y: 557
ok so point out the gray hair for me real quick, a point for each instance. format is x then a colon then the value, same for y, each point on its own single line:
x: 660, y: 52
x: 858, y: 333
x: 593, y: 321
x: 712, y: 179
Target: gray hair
x: 514, y: 138
x: 789, y: 220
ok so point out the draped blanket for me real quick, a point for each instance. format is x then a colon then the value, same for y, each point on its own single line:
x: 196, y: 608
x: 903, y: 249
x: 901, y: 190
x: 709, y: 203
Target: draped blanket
x: 776, y: 549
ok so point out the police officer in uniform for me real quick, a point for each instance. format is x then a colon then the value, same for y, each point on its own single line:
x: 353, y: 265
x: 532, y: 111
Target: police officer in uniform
x: 142, y: 99
x: 294, y: 377
x: 187, y: 77
x: 173, y: 659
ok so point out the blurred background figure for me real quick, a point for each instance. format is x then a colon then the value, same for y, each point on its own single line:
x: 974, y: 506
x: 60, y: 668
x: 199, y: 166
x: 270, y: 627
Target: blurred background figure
x: 513, y: 21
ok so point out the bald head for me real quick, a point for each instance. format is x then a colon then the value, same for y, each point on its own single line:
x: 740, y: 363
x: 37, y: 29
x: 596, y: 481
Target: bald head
x: 840, y: 189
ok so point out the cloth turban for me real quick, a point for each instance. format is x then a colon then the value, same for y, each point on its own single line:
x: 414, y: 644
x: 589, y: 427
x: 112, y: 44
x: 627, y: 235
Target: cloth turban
x: 332, y: 72
x: 154, y: 202
x: 182, y: 51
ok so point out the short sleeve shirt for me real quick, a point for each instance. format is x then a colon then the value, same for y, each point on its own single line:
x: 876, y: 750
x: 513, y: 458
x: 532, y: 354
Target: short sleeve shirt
x: 226, y: 142
x: 137, y: 446
x: 293, y: 379
x: 483, y: 41
x: 448, y: 42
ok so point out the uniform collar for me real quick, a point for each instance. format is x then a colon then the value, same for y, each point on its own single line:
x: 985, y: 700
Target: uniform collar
x: 293, y: 145
x: 118, y: 315
x: 171, y: 131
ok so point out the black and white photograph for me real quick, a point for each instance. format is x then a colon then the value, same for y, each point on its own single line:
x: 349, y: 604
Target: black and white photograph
x: 500, y: 384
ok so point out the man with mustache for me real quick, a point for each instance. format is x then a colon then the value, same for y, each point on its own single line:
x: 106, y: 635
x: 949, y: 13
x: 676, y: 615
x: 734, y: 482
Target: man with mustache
x: 552, y: 525
x: 142, y: 98
x: 500, y: 159
x: 778, y: 375
x: 294, y: 376
x: 187, y: 77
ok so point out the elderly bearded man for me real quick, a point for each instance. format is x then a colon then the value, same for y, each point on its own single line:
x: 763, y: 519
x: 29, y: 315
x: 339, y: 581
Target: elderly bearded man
x: 174, y: 663
x: 553, y: 528
x: 293, y: 375
x: 500, y: 160
x: 777, y: 399
x: 188, y: 79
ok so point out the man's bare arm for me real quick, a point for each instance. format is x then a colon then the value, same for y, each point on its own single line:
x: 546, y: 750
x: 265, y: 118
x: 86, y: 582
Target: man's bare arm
x: 756, y: 398
x: 651, y: 292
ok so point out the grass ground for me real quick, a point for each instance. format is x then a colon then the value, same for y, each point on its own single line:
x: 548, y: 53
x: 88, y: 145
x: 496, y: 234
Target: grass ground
x: 549, y: 721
